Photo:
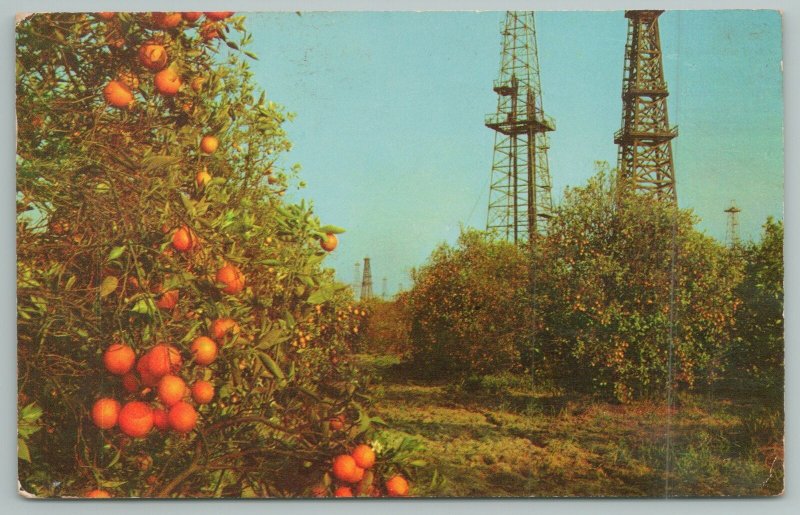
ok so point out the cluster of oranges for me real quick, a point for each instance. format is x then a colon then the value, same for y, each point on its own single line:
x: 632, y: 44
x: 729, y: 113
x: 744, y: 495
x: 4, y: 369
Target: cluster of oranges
x: 157, y: 372
x: 354, y: 471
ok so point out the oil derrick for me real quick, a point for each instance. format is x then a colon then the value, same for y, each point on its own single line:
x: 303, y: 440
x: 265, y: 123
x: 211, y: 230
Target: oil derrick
x: 520, y: 200
x: 356, y: 279
x: 366, y: 282
x: 733, y: 226
x: 645, y: 150
x: 384, y: 289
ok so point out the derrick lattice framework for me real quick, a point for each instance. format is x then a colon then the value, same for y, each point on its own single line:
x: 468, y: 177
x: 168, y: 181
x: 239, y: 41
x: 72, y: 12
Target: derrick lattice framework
x: 520, y: 200
x: 366, y: 282
x: 645, y: 139
x: 733, y: 226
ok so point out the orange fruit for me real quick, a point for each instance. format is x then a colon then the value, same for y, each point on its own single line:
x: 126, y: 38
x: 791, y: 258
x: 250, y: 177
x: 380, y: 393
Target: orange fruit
x: 106, y: 15
x: 183, y: 239
x: 364, y: 456
x: 160, y: 419
x: 343, y: 491
x: 167, y: 20
x: 232, y: 278
x: 153, y: 56
x: 143, y: 367
x: 202, y: 179
x: 118, y: 94
x: 163, y: 359
x: 97, y: 494
x: 119, y: 359
x: 105, y: 413
x: 168, y: 300
x: 209, y: 30
x: 171, y: 389
x: 345, y: 469
x: 130, y: 382
x: 202, y: 392
x: 336, y: 423
x: 136, y: 419
x: 182, y: 417
x: 209, y: 144
x: 191, y: 17
x: 219, y: 15
x: 222, y: 326
x: 330, y: 242
x: 204, y: 350
x: 397, y: 486
x: 167, y: 82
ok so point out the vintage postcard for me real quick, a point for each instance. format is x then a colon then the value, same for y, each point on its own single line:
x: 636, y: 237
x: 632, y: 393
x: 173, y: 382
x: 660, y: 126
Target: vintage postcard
x: 398, y: 254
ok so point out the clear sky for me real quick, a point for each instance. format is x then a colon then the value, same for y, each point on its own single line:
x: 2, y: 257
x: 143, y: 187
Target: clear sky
x: 390, y: 107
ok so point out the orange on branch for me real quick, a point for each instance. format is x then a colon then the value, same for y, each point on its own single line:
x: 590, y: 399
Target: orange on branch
x: 191, y: 17
x: 168, y: 300
x: 163, y: 359
x: 202, y: 179
x: 217, y: 16
x: 118, y: 94
x: 97, y: 494
x: 204, y: 350
x: 330, y: 242
x: 105, y: 413
x: 183, y: 239
x: 397, y: 486
x: 232, y: 278
x: 136, y: 419
x: 167, y: 82
x: 209, y: 144
x: 222, y: 326
x: 202, y: 392
x: 167, y: 20
x: 130, y: 382
x: 345, y: 469
x: 182, y: 417
x: 153, y: 56
x: 119, y: 359
x: 364, y: 456
x: 343, y: 491
x: 160, y: 419
x: 171, y: 389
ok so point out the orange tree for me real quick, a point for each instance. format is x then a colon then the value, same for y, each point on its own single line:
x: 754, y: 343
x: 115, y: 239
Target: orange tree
x: 177, y: 333
x: 605, y: 290
x: 468, y: 309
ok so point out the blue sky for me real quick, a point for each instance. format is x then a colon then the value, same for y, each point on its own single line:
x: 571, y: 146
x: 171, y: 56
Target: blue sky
x: 390, y: 106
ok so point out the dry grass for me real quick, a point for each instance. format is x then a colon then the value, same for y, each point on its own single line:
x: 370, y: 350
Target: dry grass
x: 519, y: 442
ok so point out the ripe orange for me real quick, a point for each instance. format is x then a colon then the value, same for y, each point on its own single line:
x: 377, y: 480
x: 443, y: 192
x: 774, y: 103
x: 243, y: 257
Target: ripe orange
x: 167, y: 20
x: 167, y: 82
x: 202, y: 179
x: 343, y: 491
x: 182, y: 417
x: 204, y: 350
x: 163, y: 359
x: 336, y: 423
x: 136, y: 419
x: 160, y: 419
x: 345, y: 469
x: 168, y: 300
x: 219, y: 15
x: 330, y: 242
x: 119, y: 359
x: 183, y: 239
x: 191, y: 17
x: 97, y: 494
x: 153, y: 56
x: 105, y: 413
x: 143, y: 367
x: 222, y: 326
x: 118, y: 94
x: 397, y: 486
x: 232, y: 278
x: 209, y: 30
x: 130, y: 382
x: 209, y: 144
x: 171, y: 389
x: 106, y: 15
x: 364, y: 456
x: 202, y: 392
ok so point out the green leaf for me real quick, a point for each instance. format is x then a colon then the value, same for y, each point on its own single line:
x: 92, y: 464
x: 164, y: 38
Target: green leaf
x: 273, y: 367
x: 321, y: 295
x: 144, y: 306
x: 154, y: 162
x: 274, y: 337
x: 108, y: 286
x: 115, y: 253
x: 251, y: 55
x: 23, y: 452
x: 331, y: 229
x: 417, y: 463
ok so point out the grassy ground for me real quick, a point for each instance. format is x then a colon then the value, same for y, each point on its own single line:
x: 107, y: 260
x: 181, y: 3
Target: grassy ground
x: 500, y: 438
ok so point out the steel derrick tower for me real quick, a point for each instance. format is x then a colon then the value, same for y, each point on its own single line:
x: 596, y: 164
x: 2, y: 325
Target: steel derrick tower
x: 520, y: 200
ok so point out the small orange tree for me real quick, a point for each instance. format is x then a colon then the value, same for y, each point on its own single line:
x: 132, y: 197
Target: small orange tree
x: 150, y: 216
x: 605, y: 290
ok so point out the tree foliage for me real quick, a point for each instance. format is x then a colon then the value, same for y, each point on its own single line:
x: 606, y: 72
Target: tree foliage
x: 100, y: 192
